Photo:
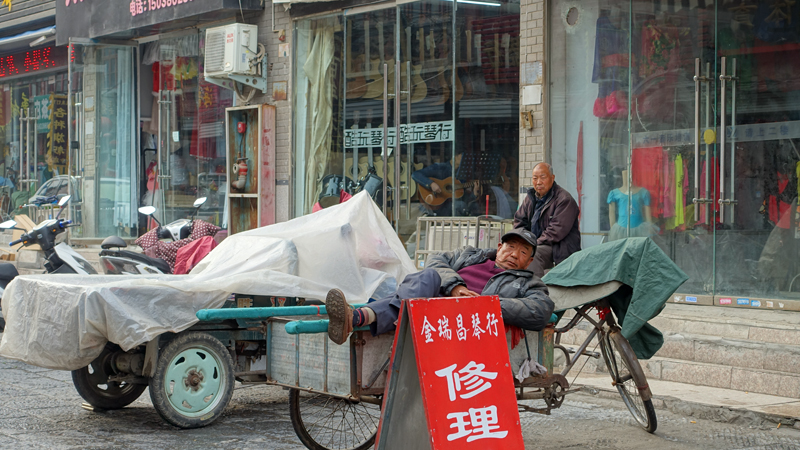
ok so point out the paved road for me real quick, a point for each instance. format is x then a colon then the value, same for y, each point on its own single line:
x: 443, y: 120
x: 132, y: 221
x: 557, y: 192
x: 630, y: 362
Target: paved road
x: 39, y: 408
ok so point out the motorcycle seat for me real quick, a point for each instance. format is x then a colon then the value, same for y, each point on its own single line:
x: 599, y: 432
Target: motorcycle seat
x: 158, y: 263
x: 7, y: 273
x: 113, y: 242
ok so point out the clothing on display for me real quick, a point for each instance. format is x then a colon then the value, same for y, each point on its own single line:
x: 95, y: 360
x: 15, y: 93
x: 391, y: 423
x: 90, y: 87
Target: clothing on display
x: 635, y: 215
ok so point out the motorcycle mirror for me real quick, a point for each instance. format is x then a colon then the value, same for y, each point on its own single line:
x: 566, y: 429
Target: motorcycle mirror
x: 8, y: 224
x: 147, y: 210
x: 64, y: 200
x: 200, y: 201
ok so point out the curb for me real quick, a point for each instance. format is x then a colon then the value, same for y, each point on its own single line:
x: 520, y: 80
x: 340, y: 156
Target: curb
x: 722, y: 414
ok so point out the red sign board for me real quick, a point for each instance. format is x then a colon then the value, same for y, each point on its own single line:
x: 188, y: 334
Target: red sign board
x: 465, y: 379
x: 32, y: 61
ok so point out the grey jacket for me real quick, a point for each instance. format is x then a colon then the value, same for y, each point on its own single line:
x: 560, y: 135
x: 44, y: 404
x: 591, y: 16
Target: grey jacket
x: 523, y: 296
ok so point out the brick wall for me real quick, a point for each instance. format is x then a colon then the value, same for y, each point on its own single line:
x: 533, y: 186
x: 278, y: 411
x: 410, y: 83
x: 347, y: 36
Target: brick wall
x: 532, y: 49
x: 279, y: 69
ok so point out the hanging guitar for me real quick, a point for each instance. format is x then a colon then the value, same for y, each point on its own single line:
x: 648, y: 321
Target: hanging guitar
x: 450, y: 189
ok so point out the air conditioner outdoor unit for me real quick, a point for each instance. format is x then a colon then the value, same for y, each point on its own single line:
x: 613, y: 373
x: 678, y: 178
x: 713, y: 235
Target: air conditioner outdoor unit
x: 229, y: 50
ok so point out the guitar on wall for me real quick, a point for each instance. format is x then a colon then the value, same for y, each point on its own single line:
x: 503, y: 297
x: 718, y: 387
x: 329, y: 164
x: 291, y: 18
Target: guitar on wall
x: 450, y: 189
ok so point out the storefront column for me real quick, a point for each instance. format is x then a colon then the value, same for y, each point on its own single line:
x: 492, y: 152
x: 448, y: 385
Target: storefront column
x: 532, y: 57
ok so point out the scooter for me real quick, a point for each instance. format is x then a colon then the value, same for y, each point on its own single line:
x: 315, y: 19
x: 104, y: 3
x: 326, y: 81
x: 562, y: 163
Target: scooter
x: 116, y: 261
x: 60, y: 258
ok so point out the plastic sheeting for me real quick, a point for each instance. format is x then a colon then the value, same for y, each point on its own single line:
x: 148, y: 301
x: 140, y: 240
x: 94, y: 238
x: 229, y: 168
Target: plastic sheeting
x: 64, y: 321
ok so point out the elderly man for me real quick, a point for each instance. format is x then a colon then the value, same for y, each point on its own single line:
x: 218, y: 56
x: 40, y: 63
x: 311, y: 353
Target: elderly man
x: 551, y: 214
x: 469, y: 272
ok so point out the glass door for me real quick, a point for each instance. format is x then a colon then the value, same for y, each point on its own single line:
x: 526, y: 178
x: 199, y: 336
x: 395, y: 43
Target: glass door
x: 756, y: 61
x: 103, y: 138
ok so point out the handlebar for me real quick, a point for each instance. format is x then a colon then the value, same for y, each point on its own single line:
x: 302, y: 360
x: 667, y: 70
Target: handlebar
x: 13, y: 243
x: 163, y: 233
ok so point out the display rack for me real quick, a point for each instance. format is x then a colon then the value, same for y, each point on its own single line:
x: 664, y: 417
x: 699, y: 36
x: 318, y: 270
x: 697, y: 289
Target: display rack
x: 250, y: 190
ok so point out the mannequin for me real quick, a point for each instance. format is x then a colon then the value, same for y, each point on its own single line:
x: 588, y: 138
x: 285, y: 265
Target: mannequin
x: 621, y: 217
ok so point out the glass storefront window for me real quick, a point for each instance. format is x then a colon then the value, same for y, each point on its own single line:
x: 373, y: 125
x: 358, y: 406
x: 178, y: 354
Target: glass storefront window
x: 184, y: 150
x: 103, y: 104
x: 174, y: 156
x: 456, y: 114
x: 32, y: 151
x: 685, y: 118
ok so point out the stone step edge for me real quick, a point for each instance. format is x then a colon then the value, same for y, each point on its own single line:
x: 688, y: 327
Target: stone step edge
x: 748, y: 383
x: 726, y: 321
x: 721, y: 414
x: 733, y: 342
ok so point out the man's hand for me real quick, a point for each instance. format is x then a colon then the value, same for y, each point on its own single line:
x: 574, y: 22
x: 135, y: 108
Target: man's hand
x: 435, y: 188
x: 462, y: 291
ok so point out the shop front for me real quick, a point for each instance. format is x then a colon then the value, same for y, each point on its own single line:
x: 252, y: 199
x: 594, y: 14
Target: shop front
x: 146, y: 127
x: 394, y: 97
x: 33, y: 93
x: 681, y: 121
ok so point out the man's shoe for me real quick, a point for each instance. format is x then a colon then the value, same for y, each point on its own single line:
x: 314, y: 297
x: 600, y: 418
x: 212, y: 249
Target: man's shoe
x: 340, y: 316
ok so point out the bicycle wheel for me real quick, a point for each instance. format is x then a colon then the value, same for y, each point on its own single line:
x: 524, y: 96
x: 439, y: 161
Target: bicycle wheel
x: 323, y: 422
x: 629, y: 379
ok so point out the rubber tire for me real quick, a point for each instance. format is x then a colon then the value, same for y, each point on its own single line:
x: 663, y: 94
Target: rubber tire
x: 114, y: 396
x: 642, y: 411
x: 305, y: 437
x: 173, y: 353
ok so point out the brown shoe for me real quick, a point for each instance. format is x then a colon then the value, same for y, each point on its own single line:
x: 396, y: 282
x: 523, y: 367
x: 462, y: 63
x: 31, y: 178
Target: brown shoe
x: 340, y: 316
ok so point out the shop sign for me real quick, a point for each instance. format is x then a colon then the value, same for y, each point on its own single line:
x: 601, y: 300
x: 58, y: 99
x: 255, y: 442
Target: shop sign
x: 57, y: 134
x: 78, y: 18
x: 32, y: 61
x: 756, y: 132
x: 41, y: 110
x: 467, y: 389
x: 409, y: 134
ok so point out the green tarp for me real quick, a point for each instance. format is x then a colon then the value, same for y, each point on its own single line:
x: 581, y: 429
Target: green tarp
x: 649, y: 276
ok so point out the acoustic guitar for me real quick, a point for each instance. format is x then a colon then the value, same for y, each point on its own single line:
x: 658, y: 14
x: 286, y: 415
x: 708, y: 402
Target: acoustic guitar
x: 450, y: 189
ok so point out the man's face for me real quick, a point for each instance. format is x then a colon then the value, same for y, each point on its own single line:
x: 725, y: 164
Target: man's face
x: 514, y: 254
x: 542, y: 180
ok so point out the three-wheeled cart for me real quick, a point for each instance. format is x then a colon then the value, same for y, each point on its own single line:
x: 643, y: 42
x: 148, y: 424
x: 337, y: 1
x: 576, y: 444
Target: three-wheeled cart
x: 335, y: 391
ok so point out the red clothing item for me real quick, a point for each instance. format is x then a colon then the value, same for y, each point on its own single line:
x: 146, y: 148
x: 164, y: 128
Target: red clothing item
x: 646, y: 166
x: 191, y: 254
x: 477, y: 275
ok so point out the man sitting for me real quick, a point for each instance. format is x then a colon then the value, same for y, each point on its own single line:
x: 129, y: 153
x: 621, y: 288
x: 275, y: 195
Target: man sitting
x: 469, y: 272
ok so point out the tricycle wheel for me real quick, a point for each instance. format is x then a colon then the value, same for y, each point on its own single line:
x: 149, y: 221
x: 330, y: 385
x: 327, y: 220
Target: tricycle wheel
x: 92, y: 383
x: 323, y: 422
x: 629, y: 378
x: 193, y: 382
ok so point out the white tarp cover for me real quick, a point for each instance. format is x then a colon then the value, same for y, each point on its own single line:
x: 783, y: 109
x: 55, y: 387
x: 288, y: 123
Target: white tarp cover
x: 64, y: 321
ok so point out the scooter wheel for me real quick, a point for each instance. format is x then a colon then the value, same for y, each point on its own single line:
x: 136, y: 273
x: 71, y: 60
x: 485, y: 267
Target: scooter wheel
x: 194, y: 380
x: 92, y: 383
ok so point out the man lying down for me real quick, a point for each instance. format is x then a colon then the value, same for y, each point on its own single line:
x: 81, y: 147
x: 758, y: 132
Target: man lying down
x: 470, y: 272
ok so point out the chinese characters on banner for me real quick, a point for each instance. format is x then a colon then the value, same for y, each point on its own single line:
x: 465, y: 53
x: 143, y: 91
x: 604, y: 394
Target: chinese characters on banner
x: 464, y: 373
x: 57, y: 134
x: 409, y: 134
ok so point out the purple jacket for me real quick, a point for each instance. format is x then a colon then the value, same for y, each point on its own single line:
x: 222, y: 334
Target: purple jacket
x: 559, y: 222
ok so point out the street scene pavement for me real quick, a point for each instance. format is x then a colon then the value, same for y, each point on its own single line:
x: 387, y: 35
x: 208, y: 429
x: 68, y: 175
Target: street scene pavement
x: 40, y: 409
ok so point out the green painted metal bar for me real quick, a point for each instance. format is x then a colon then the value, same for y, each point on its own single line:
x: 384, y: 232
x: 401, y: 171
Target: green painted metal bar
x: 311, y: 327
x: 261, y: 313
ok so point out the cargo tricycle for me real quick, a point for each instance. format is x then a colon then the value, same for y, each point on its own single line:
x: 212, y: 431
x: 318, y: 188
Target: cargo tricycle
x: 335, y: 392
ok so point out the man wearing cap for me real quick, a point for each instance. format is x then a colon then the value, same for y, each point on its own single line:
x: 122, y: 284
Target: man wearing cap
x: 469, y: 272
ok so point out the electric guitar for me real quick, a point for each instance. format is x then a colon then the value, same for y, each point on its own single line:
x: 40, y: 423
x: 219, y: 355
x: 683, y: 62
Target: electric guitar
x: 449, y: 190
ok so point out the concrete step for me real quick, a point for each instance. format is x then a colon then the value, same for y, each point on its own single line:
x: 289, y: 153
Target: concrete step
x: 724, y: 376
x: 738, y: 353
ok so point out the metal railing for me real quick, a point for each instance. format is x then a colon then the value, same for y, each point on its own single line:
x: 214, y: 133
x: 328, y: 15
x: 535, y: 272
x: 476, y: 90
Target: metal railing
x: 444, y: 234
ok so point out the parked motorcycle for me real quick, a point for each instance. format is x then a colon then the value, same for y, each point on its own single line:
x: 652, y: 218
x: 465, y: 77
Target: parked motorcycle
x: 116, y: 261
x: 59, y: 258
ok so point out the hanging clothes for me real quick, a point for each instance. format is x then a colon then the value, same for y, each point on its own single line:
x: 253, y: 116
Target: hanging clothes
x: 610, y: 71
x: 646, y: 167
